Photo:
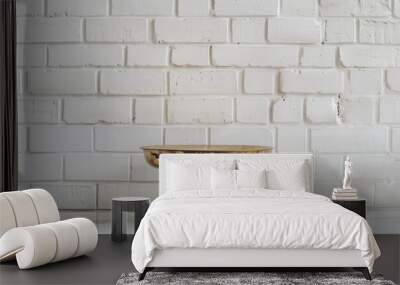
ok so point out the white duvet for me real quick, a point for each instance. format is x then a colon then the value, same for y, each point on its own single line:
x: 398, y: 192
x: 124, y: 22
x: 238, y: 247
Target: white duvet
x: 250, y: 219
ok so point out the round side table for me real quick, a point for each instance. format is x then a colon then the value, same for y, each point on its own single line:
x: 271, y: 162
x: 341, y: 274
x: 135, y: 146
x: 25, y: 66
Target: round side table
x: 139, y: 205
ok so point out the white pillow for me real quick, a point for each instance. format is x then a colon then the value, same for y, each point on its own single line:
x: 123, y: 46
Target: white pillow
x: 183, y: 177
x: 251, y: 179
x: 223, y: 179
x: 186, y: 174
x: 281, y: 174
x: 237, y: 179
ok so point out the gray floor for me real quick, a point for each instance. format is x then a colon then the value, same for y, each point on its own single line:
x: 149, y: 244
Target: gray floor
x: 105, y: 265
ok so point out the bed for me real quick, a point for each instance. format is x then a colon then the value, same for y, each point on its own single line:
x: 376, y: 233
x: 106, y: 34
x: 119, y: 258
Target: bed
x: 247, y: 210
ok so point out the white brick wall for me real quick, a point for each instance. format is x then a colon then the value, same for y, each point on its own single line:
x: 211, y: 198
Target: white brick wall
x: 389, y: 167
x: 396, y: 140
x: 393, y: 81
x: 97, y: 110
x: 109, y: 190
x: 396, y: 8
x: 86, y: 55
x: 22, y: 139
x: 116, y: 30
x: 252, y: 110
x: 200, y: 111
x: 319, y: 56
x: 49, y: 30
x: 351, y: 140
x: 320, y: 110
x: 359, y: 111
x: 142, y: 7
x: 77, y: 8
x: 133, y: 81
x: 378, y: 8
x: 185, y: 135
x: 97, y: 167
x: 149, y: 111
x: 62, y: 81
x: 390, y: 106
x: 148, y: 55
x: 38, y: 111
x: 246, y: 7
x: 76, y: 196
x: 30, y: 8
x: 340, y: 30
x: 141, y: 170
x: 193, y: 7
x: 259, y: 81
x: 379, y: 31
x: 190, y: 55
x: 294, y: 30
x: 287, y: 110
x: 191, y: 30
x: 311, y: 81
x: 31, y: 55
x: 388, y: 195
x: 108, y: 138
x: 365, y: 81
x: 329, y: 168
x: 370, y: 56
x: 305, y: 8
x: 60, y: 138
x: 291, y: 139
x: 250, y: 55
x: 242, y: 135
x: 248, y: 30
x: 40, y: 167
x: 98, y: 79
x: 203, y: 82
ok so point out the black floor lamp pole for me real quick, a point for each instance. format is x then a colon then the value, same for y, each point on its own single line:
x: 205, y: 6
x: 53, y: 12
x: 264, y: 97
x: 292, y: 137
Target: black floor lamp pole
x: 8, y: 98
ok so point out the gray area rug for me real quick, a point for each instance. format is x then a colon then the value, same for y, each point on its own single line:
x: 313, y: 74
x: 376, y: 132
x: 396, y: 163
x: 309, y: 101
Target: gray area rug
x: 269, y: 278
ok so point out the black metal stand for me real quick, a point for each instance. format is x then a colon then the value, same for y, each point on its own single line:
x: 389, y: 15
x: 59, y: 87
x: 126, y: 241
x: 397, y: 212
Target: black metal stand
x: 364, y: 271
x: 143, y: 274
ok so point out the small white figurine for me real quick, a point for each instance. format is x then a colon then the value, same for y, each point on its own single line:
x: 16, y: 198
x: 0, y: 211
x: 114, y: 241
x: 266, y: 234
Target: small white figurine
x: 347, y: 173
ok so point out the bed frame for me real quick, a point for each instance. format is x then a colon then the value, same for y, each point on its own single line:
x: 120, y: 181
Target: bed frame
x: 241, y: 259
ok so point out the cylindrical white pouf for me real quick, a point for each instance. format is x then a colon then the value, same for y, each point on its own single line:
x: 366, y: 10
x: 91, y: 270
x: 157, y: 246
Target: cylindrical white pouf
x: 34, y: 246
x: 45, y: 205
x: 37, y: 245
x: 87, y: 233
x: 7, y: 218
x: 23, y: 208
x: 67, y: 240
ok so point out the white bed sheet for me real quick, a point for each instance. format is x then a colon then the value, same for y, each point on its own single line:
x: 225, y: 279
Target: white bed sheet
x: 251, y: 218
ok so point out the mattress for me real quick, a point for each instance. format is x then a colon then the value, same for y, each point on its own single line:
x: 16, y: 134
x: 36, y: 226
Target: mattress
x: 250, y: 219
